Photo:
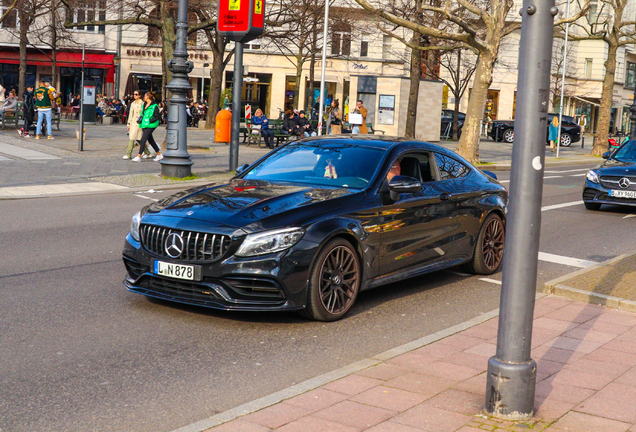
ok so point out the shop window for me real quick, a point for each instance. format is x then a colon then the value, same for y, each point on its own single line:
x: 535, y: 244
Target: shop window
x: 11, y: 19
x: 341, y: 39
x: 630, y: 75
x: 89, y: 11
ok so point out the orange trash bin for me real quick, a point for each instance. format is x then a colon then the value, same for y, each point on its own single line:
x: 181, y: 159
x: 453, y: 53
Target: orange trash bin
x: 223, y: 126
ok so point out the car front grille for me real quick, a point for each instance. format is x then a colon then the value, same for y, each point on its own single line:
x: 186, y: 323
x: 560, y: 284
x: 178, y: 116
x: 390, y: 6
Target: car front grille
x: 611, y: 182
x: 259, y: 287
x: 196, y: 247
x: 589, y: 194
x: 606, y: 197
x: 183, y: 289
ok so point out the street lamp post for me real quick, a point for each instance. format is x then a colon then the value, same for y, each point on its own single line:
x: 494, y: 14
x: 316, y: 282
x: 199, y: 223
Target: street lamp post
x: 176, y: 161
x: 632, y: 118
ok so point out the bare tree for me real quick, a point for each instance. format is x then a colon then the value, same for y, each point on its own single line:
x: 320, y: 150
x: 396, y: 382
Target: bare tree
x: 611, y: 23
x: 479, y: 26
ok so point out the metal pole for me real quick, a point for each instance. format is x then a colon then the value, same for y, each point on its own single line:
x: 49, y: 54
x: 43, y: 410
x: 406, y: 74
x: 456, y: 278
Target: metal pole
x: 118, y: 56
x: 81, y: 113
x: 632, y: 118
x: 511, y: 377
x: 176, y: 161
x: 237, y: 84
x: 563, y: 63
x: 322, y: 77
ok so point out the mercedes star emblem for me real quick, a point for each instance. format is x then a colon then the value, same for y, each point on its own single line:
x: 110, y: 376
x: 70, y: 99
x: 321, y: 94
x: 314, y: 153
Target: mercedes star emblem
x: 174, y: 245
x: 624, y: 183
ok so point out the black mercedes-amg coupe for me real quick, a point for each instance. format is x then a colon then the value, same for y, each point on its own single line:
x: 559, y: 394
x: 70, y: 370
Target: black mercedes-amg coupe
x: 613, y: 182
x: 312, y: 223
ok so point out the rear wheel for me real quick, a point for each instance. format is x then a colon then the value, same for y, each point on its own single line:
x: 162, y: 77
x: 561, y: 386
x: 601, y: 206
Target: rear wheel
x: 509, y: 135
x: 566, y: 140
x: 592, y: 206
x: 489, y: 248
x: 334, y: 282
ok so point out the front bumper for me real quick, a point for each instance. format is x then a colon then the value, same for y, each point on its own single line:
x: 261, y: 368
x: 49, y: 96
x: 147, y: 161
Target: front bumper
x: 270, y: 282
x: 597, y: 194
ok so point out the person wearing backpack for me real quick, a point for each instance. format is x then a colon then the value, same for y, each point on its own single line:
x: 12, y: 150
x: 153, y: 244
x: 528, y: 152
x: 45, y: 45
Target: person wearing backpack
x: 149, y: 121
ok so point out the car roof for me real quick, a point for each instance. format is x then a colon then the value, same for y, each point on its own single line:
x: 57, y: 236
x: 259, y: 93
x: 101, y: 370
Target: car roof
x: 374, y: 141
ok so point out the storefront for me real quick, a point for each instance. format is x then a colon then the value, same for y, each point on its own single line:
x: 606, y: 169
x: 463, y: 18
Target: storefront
x: 98, y: 67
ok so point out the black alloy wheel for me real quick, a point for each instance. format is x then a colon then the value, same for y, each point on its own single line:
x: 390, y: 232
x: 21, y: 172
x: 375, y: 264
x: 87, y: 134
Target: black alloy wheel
x: 489, y: 249
x: 334, y: 282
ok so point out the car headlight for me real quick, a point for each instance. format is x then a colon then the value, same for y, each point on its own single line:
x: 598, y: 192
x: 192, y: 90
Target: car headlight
x: 134, y: 225
x: 270, y: 241
x: 592, y: 176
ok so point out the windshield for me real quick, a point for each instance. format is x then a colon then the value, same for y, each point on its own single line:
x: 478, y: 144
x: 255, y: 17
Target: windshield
x: 324, y: 163
x: 627, y: 153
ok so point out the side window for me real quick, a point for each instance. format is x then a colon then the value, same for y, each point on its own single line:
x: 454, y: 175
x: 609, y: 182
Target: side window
x: 417, y: 165
x: 450, y: 168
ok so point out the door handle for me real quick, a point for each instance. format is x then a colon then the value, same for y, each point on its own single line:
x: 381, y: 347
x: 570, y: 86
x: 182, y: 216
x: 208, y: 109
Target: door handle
x: 445, y: 196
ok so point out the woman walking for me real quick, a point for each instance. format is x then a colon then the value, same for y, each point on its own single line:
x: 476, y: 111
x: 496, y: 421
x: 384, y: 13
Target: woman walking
x: 134, y: 129
x: 150, y: 116
x: 553, y: 134
x: 334, y: 120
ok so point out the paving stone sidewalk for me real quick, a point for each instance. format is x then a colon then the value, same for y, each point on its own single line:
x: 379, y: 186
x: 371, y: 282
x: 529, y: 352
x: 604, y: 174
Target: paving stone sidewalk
x: 586, y: 381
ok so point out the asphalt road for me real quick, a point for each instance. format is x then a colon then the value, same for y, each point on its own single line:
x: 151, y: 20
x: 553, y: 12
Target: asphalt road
x: 80, y: 353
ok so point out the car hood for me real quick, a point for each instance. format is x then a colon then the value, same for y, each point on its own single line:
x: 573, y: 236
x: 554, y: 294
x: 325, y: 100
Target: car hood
x: 253, y: 205
x: 614, y: 167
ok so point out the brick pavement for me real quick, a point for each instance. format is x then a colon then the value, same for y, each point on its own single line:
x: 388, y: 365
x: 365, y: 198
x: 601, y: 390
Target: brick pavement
x: 586, y: 381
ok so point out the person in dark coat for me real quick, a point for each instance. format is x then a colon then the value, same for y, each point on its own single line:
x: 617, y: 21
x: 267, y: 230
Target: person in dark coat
x: 290, y: 124
x: 28, y: 109
x: 305, y: 125
x: 268, y: 134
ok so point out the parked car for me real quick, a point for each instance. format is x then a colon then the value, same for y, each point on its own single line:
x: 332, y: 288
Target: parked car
x: 504, y: 130
x: 447, y: 123
x: 613, y: 182
x: 314, y: 222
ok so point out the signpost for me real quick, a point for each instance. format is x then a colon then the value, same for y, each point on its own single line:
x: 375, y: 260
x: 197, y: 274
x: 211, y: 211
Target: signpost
x: 240, y: 21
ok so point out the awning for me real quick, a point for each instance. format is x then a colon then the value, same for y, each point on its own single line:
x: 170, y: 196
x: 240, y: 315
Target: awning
x: 64, y: 59
x: 586, y: 101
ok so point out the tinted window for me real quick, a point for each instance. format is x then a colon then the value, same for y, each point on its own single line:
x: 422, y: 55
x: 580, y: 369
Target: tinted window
x: 450, y: 168
x: 627, y: 153
x: 324, y: 163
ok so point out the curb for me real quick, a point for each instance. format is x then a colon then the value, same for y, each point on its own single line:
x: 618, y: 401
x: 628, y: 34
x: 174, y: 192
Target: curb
x: 313, y: 383
x: 559, y: 288
x: 549, y: 164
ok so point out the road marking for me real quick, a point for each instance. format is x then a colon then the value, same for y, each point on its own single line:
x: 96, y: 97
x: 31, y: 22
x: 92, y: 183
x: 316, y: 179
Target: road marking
x: 629, y: 216
x: 568, y: 261
x: 494, y: 281
x: 578, y: 175
x: 504, y: 181
x: 547, y: 177
x: 24, y: 153
x: 558, y: 206
x: 5, y: 159
x: 56, y: 189
x: 145, y: 197
x: 567, y: 171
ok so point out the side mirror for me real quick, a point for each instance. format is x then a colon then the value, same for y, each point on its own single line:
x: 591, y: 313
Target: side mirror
x: 240, y: 169
x: 403, y: 184
x: 606, y: 155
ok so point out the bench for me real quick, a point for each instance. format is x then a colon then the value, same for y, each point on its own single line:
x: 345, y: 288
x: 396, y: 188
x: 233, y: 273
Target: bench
x: 347, y: 127
x: 275, y: 126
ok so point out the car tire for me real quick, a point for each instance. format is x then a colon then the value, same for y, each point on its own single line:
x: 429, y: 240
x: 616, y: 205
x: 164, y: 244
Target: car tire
x: 592, y: 206
x: 566, y: 140
x: 334, y: 282
x: 509, y: 135
x: 489, y: 248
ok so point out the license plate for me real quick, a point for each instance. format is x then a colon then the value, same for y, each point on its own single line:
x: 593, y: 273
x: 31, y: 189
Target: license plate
x: 177, y: 271
x: 623, y: 194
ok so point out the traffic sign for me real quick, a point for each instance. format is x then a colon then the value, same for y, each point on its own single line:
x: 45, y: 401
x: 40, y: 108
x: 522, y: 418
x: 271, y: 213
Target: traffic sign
x: 241, y: 20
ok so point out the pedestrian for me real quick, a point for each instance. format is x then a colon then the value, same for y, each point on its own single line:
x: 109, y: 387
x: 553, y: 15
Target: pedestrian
x: 334, y: 119
x: 290, y: 124
x: 9, y: 104
x: 28, y: 110
x: 2, y: 93
x: 305, y: 125
x: 43, y: 99
x: 134, y: 130
x: 361, y: 129
x: 149, y: 121
x: 553, y: 134
x: 268, y: 134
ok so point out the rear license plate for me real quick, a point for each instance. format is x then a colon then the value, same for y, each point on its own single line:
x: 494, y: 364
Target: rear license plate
x: 623, y: 194
x: 177, y: 271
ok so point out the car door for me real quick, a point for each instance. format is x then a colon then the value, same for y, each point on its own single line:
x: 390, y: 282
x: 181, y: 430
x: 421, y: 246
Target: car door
x: 458, y: 185
x: 414, y: 228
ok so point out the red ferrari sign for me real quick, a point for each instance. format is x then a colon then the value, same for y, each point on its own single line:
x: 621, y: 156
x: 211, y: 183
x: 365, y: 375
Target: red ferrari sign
x: 241, y: 20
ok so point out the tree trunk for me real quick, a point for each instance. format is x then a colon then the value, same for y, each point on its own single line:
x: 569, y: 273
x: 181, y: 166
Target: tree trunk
x: 168, y: 38
x: 24, y: 28
x: 54, y: 43
x: 299, y: 75
x: 414, y: 89
x: 216, y: 80
x: 605, y: 110
x: 457, y: 96
x: 468, y: 145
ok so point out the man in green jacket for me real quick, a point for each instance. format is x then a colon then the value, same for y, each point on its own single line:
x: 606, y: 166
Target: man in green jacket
x: 44, y: 106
